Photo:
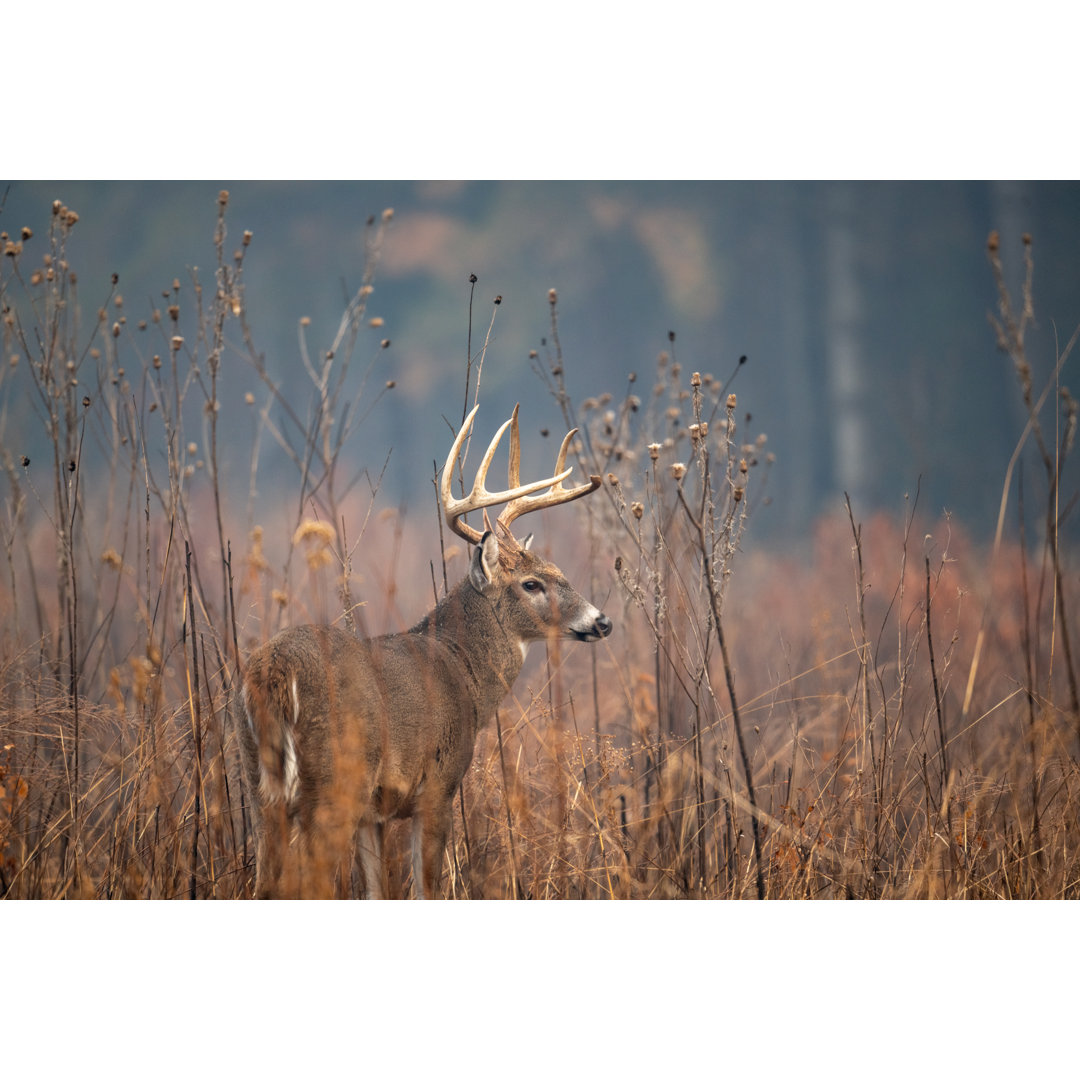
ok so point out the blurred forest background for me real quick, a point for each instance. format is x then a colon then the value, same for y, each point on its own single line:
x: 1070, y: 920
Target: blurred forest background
x: 861, y: 307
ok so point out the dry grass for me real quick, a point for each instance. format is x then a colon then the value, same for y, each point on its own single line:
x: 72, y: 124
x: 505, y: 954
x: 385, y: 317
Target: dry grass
x: 889, y: 713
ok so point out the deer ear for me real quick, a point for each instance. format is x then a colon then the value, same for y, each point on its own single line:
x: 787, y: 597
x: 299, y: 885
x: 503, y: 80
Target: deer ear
x: 485, y: 559
x: 527, y: 542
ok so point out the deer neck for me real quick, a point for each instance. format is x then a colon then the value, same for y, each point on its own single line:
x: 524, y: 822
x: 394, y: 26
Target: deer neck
x: 468, y: 624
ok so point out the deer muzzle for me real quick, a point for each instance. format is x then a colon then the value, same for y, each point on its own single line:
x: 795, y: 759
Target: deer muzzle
x: 592, y: 629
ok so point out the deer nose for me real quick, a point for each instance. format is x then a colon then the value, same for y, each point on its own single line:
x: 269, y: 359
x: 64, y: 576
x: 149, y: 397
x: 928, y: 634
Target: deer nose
x: 603, y: 625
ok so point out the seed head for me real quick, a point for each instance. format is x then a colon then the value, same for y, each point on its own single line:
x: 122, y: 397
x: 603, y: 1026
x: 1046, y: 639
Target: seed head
x: 321, y: 536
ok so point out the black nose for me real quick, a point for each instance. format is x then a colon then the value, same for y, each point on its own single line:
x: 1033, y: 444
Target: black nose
x: 603, y: 625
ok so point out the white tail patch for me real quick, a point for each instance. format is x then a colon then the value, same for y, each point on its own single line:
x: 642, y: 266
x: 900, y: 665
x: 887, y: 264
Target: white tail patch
x: 292, y: 771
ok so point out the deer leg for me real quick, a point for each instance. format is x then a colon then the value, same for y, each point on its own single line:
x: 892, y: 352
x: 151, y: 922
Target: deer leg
x: 430, y: 830
x: 271, y: 840
x: 417, y: 855
x: 369, y: 858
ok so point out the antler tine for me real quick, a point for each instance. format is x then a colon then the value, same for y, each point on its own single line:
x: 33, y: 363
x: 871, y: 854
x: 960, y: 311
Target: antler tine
x: 479, y: 497
x: 556, y: 493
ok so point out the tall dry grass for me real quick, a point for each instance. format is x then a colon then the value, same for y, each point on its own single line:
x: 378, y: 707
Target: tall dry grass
x: 886, y: 709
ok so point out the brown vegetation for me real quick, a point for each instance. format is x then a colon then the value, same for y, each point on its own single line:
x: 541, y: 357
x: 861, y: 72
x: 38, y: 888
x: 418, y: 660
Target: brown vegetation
x: 891, y: 711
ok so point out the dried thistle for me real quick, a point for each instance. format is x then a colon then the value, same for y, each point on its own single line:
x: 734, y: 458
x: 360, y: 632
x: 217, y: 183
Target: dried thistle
x: 320, y: 537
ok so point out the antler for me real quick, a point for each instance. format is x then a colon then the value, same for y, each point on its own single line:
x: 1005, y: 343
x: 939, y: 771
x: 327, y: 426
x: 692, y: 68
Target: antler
x: 519, y: 498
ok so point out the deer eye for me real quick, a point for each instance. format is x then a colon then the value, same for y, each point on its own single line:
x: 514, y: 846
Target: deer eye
x: 532, y: 585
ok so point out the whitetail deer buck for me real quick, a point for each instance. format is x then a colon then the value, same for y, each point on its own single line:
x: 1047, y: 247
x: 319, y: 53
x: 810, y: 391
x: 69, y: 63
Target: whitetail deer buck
x: 344, y: 734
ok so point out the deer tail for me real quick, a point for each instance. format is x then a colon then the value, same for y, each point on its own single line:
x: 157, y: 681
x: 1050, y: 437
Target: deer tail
x: 272, y: 705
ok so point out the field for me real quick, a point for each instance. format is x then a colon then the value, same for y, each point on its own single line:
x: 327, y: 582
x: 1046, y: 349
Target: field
x: 889, y: 711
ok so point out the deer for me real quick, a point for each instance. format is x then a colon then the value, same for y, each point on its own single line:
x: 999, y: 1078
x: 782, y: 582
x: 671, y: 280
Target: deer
x: 342, y: 734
